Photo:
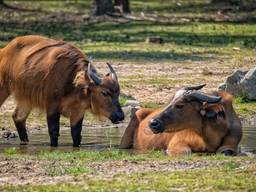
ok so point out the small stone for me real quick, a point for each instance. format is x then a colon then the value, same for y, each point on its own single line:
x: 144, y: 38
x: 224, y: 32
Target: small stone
x: 155, y: 39
x: 236, y: 48
x: 206, y: 72
x: 6, y: 134
x: 222, y: 86
x: 13, y: 135
x: 132, y: 103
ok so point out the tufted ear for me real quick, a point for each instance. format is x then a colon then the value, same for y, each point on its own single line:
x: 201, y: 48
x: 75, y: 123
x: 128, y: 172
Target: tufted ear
x: 212, y: 110
x: 80, y: 80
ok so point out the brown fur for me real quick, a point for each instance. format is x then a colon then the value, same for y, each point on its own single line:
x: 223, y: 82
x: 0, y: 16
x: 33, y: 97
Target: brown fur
x: 38, y: 70
x: 51, y: 75
x: 211, y: 135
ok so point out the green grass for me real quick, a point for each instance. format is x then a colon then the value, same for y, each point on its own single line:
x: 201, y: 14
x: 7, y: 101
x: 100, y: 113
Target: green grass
x: 245, y: 107
x: 103, y: 155
x: 89, y: 156
x: 222, y: 178
x: 220, y: 172
x: 206, y: 180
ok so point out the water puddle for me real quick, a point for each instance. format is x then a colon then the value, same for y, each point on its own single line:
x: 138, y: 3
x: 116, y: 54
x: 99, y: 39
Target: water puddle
x: 248, y: 143
x: 93, y: 138
x: 98, y: 138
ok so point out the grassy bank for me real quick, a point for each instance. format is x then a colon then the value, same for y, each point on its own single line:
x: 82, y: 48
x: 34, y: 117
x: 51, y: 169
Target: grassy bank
x: 119, y: 170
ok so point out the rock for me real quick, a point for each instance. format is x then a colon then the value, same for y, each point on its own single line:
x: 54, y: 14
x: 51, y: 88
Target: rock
x: 155, y: 39
x: 9, y: 134
x: 129, y: 110
x: 241, y: 83
x: 232, y: 82
x: 248, y: 84
x: 206, y: 71
x: 222, y: 86
x: 13, y: 135
x: 6, y: 134
x: 236, y: 48
x: 132, y: 103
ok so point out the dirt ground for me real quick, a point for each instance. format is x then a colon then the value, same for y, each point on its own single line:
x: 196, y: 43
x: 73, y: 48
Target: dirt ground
x: 33, y: 171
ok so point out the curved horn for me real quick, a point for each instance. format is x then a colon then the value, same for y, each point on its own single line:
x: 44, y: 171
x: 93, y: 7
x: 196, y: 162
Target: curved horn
x: 199, y: 96
x: 93, y: 76
x: 112, y: 72
x: 195, y: 87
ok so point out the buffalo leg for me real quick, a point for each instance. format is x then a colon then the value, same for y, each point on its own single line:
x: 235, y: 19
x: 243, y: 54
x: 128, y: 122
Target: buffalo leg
x: 76, y: 129
x: 19, y: 117
x: 178, y: 149
x: 230, y: 141
x: 53, y: 121
x: 128, y: 136
x: 76, y: 122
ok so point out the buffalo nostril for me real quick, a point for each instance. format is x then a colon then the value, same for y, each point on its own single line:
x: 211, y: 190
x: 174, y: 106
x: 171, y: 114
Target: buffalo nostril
x: 117, y: 117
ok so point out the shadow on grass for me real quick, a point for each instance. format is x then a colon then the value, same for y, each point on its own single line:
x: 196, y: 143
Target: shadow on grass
x: 185, y: 7
x: 125, y: 32
x: 147, y: 55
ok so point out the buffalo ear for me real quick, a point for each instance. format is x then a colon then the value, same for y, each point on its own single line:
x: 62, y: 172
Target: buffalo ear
x: 80, y: 81
x: 208, y: 113
x: 211, y: 110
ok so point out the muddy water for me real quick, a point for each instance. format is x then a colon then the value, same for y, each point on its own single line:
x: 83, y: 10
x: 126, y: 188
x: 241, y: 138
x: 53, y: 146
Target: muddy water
x: 248, y: 143
x: 93, y: 138
x: 98, y: 138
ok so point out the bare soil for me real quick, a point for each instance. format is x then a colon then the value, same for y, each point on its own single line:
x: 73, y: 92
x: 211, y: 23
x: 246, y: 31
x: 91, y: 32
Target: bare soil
x: 24, y: 172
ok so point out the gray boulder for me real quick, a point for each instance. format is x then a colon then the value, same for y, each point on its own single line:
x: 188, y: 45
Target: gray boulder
x: 248, y: 84
x: 241, y: 83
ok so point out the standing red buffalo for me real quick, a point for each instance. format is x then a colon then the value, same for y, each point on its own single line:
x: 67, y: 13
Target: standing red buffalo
x: 58, y: 78
x: 192, y: 122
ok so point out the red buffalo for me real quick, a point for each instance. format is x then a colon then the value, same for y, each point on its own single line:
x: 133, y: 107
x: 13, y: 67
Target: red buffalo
x: 56, y: 77
x: 192, y: 122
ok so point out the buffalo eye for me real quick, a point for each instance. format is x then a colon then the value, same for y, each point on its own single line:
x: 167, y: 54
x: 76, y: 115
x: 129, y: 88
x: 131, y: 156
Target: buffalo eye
x: 179, y: 106
x: 104, y: 93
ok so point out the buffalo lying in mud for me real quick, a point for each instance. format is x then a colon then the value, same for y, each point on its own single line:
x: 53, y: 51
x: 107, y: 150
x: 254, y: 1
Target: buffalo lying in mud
x: 192, y: 122
x: 56, y: 77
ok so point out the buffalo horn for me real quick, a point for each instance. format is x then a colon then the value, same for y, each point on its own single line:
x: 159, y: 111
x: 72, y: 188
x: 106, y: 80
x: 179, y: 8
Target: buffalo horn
x: 112, y: 72
x: 93, y: 76
x: 199, y: 96
x: 195, y: 87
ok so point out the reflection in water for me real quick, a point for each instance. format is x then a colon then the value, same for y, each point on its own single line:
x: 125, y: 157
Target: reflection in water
x: 98, y: 138
x: 248, y: 143
x: 93, y: 138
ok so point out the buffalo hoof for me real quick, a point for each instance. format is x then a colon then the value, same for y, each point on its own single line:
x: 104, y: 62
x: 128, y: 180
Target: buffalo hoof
x: 76, y: 145
x: 228, y: 152
x: 23, y: 142
x: 54, y: 143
